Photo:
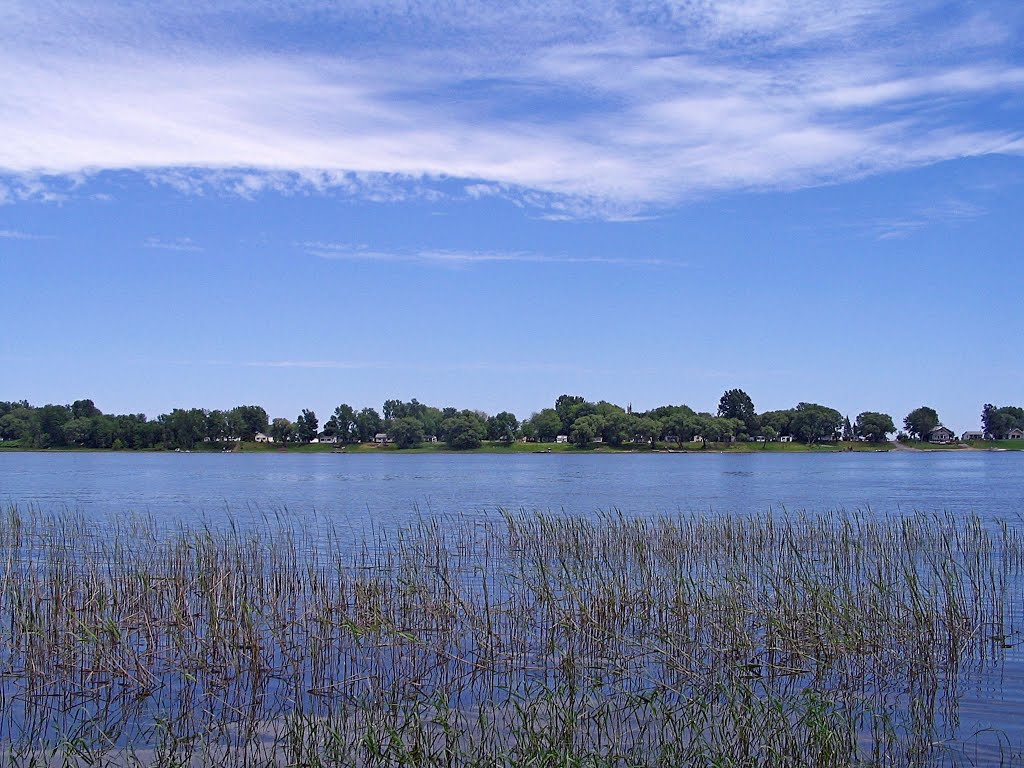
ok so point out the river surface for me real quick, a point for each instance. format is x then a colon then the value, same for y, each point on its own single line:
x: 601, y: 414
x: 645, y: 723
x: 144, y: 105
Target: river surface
x: 387, y: 490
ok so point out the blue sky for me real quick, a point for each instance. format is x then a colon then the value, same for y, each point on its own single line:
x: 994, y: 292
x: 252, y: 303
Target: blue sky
x: 490, y: 204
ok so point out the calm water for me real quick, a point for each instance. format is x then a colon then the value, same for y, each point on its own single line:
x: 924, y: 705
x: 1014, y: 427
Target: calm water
x: 386, y: 490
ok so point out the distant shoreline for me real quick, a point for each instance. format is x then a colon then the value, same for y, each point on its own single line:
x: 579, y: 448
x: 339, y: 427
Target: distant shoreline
x: 558, y: 448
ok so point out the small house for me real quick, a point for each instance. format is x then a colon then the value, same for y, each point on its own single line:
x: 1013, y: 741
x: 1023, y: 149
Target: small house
x: 597, y: 440
x: 561, y: 438
x: 972, y: 434
x: 1015, y: 434
x: 381, y: 438
x: 332, y: 439
x: 941, y: 435
x: 262, y: 438
x: 786, y: 439
x: 430, y: 439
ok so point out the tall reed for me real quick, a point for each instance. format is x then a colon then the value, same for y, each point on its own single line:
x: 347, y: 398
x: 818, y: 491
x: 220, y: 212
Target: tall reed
x: 528, y: 639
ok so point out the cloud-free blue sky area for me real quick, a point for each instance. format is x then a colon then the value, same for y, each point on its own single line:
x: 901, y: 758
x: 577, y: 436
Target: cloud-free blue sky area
x: 489, y: 204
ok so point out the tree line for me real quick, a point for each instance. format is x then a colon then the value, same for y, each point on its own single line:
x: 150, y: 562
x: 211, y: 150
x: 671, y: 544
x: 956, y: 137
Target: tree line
x: 406, y: 424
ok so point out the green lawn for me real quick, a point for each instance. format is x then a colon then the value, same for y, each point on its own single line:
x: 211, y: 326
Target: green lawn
x: 1010, y: 445
x: 924, y: 445
x: 496, y: 447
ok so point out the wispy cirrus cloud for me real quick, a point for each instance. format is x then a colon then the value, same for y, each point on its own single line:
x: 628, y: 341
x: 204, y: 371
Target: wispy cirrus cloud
x: 577, y: 109
x: 455, y: 259
x: 360, y: 365
x: 180, y: 244
x: 950, y: 211
x: 14, y: 234
x: 344, y: 365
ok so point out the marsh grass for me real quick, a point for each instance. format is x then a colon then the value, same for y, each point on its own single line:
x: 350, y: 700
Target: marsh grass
x: 527, y: 640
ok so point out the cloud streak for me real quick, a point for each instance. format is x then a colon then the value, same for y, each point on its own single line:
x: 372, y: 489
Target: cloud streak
x: 456, y: 259
x: 181, y: 245
x: 13, y: 234
x: 576, y: 109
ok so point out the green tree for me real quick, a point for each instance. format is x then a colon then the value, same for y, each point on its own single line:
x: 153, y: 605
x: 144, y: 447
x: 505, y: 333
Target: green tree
x: 585, y: 429
x: 569, y: 408
x: 848, y: 433
x: 736, y: 404
x: 813, y: 423
x: 920, y: 422
x: 17, y: 424
x: 780, y: 421
x: 78, y: 432
x: 405, y: 432
x: 646, y: 429
x: 619, y: 427
x: 874, y: 427
x: 997, y: 422
x: 342, y: 423
x: 50, y: 421
x: 368, y: 424
x: 246, y: 420
x: 282, y: 430
x: 84, y: 409
x: 547, y: 425
x: 502, y: 426
x: 306, y: 426
x: 183, y: 428
x: 217, y: 426
x: 464, y: 431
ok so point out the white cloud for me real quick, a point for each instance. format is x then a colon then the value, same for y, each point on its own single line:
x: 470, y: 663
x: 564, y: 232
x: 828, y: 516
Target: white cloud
x: 13, y: 234
x: 580, y: 109
x: 181, y: 244
x: 456, y: 259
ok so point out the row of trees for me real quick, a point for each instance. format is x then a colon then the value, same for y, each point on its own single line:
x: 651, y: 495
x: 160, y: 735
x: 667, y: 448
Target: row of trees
x: 82, y: 424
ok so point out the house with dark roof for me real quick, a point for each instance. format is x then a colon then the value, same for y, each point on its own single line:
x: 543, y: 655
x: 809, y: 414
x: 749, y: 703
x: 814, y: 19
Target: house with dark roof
x: 941, y: 435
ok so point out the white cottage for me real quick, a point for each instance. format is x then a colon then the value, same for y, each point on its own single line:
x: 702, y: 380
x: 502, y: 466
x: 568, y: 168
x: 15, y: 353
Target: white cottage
x: 941, y: 435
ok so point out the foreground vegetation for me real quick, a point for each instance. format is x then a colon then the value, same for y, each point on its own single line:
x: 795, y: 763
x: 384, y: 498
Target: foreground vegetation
x: 517, y: 641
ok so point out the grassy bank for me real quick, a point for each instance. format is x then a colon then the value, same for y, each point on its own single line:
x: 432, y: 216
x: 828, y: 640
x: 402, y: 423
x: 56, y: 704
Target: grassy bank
x: 519, y: 448
x: 523, y: 641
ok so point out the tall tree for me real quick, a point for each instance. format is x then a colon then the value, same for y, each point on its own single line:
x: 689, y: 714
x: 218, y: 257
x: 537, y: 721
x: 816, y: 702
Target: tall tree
x: 282, y: 430
x: 84, y: 409
x: 342, y: 423
x: 920, y: 422
x: 247, y: 420
x: 813, y: 423
x: 848, y: 433
x: 736, y: 404
x: 875, y: 427
x: 503, y: 427
x: 183, y: 428
x: 464, y: 431
x: 405, y: 432
x: 368, y: 424
x: 569, y: 408
x: 546, y: 425
x: 585, y: 429
x: 306, y: 426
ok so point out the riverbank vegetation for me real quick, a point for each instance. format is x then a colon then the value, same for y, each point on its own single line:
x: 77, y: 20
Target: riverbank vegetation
x: 519, y: 639
x: 572, y: 421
